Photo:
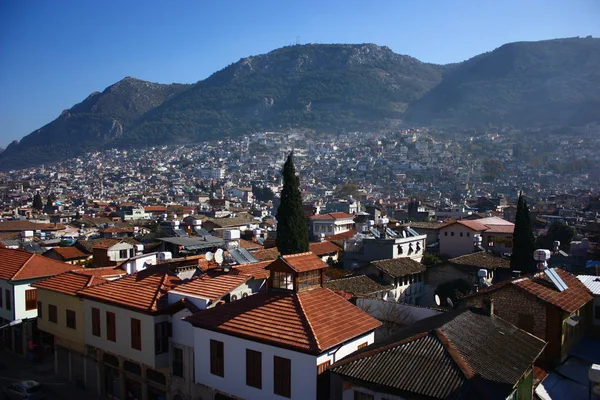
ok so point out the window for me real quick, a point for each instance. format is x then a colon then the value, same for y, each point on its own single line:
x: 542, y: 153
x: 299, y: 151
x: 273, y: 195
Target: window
x: 30, y: 299
x: 254, y: 368
x: 451, y: 233
x: 282, y: 379
x: 468, y: 234
x: 461, y: 234
x: 52, y: 313
x: 71, y: 321
x: 40, y: 310
x: 597, y: 312
x: 96, y: 322
x: 7, y: 298
x: 1, y: 299
x: 111, y: 327
x: 283, y: 280
x: 217, y: 361
x: 161, y: 337
x: 178, y: 362
x: 309, y: 279
x: 323, y: 366
x: 490, y: 241
x: 445, y: 233
x: 363, y: 396
x: 122, y: 254
x: 136, y: 334
x: 131, y: 253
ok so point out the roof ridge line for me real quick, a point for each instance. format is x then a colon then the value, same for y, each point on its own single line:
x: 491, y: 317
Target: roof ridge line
x: 22, y: 266
x: 372, y: 352
x: 305, y: 320
x: 462, y: 364
x: 159, y: 287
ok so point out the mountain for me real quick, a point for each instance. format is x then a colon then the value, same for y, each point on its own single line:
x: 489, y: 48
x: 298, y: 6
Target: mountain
x: 551, y: 82
x: 99, y: 120
x: 331, y: 87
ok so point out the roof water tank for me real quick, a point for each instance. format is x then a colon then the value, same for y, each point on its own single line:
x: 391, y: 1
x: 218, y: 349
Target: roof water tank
x: 231, y: 234
x: 164, y: 256
x: 541, y: 255
x: 482, y: 273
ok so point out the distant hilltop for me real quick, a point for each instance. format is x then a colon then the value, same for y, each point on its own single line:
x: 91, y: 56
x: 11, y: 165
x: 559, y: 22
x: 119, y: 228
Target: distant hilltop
x: 331, y: 88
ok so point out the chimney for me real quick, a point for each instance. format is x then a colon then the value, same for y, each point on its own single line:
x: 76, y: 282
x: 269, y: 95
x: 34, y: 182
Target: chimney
x: 488, y: 306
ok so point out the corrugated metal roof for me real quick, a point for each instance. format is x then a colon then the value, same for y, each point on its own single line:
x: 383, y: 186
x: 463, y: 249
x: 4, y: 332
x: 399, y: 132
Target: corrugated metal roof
x: 591, y: 282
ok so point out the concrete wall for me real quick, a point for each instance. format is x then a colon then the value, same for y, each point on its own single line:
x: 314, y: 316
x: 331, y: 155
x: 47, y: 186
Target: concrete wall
x: 122, y: 346
x: 456, y: 245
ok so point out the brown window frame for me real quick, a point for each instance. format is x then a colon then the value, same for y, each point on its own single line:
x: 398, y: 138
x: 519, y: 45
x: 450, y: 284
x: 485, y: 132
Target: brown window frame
x: 7, y: 299
x: 283, y: 280
x: 282, y: 376
x: 309, y: 279
x: 52, y: 313
x: 71, y: 319
x: 323, y: 367
x: 111, y: 326
x: 217, y: 358
x: 96, y: 324
x: 136, y: 334
x: 30, y: 299
x: 362, y: 345
x: 254, y: 368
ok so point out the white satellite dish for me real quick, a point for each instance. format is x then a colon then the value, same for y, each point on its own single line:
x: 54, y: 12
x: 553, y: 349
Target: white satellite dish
x: 450, y: 302
x: 209, y: 256
x: 437, y: 300
x: 219, y: 256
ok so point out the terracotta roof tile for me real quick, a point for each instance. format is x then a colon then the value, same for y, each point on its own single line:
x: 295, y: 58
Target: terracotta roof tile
x: 69, y: 282
x: 255, y: 270
x: 303, y: 262
x: 331, y: 216
x: 341, y: 236
x: 500, y: 229
x: 69, y: 253
x: 570, y: 300
x: 144, y: 291
x: 481, y: 259
x: 360, y: 285
x: 248, y: 245
x: 18, y: 265
x: 323, y: 248
x: 312, y: 321
x: 15, y: 226
x: 266, y: 254
x: 212, y: 287
x: 397, y: 267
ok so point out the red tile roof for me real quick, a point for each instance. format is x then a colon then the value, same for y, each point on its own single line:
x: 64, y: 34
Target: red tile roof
x: 342, y: 236
x: 266, y: 254
x: 255, y: 270
x: 323, y: 248
x: 311, y: 322
x: 155, y: 209
x: 144, y: 291
x: 500, y: 229
x: 15, y: 226
x: 248, y: 245
x: 570, y: 300
x: 70, y: 282
x: 17, y: 265
x: 302, y: 262
x: 212, y: 287
x: 69, y: 253
x: 331, y: 216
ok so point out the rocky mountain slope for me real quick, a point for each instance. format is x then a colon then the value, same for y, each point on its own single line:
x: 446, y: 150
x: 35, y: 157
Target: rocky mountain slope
x: 331, y: 88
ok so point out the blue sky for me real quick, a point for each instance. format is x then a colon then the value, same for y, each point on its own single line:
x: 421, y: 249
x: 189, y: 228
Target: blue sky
x: 53, y: 54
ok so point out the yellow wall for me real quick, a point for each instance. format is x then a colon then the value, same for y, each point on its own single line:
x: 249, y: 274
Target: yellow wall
x: 66, y: 337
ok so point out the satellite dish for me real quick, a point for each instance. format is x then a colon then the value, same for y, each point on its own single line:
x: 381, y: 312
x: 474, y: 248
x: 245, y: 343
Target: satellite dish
x: 209, y: 256
x: 450, y: 302
x: 219, y: 256
x: 437, y: 300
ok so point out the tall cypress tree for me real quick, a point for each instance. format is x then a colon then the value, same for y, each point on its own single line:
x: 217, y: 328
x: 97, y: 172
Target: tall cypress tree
x: 37, y: 202
x: 292, y: 227
x: 523, y: 240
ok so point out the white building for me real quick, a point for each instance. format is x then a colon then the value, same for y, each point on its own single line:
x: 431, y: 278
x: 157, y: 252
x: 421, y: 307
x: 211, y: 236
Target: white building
x: 275, y: 344
x: 330, y: 224
x: 460, y: 237
x: 18, y: 299
x: 405, y: 276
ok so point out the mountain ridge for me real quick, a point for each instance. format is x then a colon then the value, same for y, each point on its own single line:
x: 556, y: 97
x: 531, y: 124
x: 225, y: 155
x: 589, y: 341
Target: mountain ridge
x: 331, y: 87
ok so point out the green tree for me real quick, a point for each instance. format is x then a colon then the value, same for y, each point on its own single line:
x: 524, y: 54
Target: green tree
x: 292, y: 229
x: 430, y: 260
x: 37, y: 202
x: 557, y: 231
x: 523, y: 240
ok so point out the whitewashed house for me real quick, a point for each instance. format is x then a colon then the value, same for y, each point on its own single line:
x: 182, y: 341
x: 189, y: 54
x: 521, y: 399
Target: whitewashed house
x: 275, y: 344
x: 330, y: 224
x: 404, y: 276
x: 127, y: 327
x: 18, y: 299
